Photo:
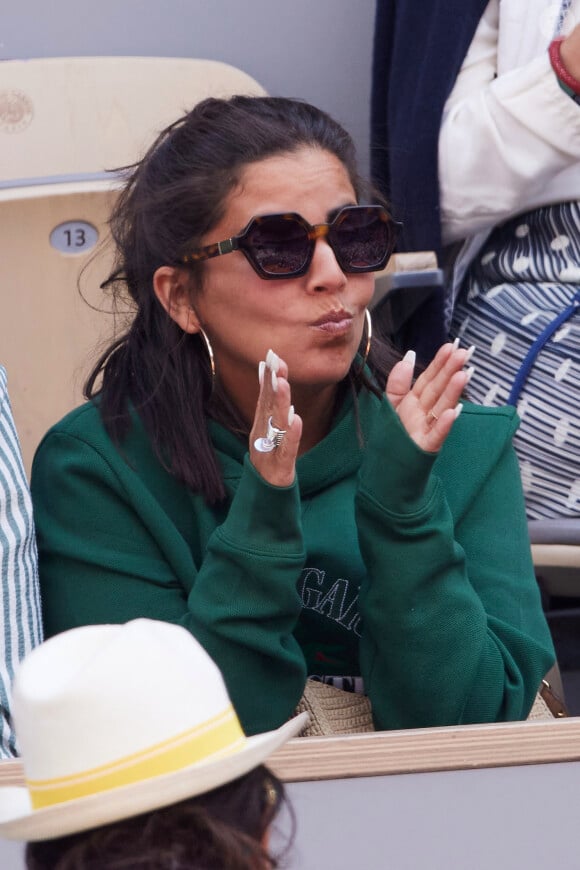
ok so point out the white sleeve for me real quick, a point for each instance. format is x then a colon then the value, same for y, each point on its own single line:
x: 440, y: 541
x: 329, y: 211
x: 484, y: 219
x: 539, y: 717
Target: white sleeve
x: 503, y: 139
x: 20, y: 617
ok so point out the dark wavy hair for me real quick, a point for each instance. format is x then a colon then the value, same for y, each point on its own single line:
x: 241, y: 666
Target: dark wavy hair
x: 220, y: 830
x: 171, y: 199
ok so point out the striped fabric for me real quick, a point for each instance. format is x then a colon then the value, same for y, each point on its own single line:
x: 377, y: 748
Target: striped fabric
x: 525, y: 279
x: 20, y: 620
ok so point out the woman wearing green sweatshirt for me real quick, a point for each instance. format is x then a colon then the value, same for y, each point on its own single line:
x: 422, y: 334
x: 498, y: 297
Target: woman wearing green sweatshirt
x: 252, y: 466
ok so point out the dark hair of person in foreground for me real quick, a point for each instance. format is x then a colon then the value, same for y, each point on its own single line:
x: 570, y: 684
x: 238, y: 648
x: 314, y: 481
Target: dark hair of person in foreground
x: 225, y: 829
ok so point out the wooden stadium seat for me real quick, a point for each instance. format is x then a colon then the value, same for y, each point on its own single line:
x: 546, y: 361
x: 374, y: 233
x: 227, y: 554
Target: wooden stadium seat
x: 556, y: 555
x: 66, y: 122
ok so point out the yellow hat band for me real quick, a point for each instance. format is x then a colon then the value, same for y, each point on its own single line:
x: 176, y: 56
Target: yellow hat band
x: 218, y: 736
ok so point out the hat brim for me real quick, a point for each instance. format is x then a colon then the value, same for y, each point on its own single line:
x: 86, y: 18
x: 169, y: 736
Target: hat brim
x: 19, y: 821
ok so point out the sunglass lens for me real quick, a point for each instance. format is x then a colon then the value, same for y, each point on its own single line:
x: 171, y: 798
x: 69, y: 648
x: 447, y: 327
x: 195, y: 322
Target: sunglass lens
x: 362, y: 238
x: 278, y: 245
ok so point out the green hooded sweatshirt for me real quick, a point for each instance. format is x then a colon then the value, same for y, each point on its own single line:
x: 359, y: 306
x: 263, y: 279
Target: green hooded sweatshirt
x: 410, y: 569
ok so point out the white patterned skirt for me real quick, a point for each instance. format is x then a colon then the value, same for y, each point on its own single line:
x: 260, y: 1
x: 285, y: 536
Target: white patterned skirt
x: 519, y: 306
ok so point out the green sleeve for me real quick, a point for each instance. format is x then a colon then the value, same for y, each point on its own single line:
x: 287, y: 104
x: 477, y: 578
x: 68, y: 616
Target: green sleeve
x: 109, y: 552
x: 453, y: 627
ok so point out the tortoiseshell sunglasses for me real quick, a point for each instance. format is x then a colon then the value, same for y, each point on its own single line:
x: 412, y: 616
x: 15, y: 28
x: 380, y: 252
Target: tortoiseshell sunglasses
x: 282, y: 245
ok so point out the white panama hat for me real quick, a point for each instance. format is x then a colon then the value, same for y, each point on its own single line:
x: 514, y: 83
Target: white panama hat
x: 117, y: 720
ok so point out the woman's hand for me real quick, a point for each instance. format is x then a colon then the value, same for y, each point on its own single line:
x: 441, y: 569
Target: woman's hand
x: 428, y: 408
x: 278, y: 466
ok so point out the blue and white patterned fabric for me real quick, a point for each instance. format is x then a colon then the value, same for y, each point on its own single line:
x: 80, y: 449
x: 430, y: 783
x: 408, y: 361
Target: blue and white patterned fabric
x: 20, y: 617
x: 520, y: 305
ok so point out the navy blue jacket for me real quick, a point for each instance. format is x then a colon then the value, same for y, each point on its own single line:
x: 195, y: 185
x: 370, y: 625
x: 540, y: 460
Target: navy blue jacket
x: 419, y: 47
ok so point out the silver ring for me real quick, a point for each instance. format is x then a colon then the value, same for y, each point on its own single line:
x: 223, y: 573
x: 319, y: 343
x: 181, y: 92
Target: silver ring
x: 272, y: 439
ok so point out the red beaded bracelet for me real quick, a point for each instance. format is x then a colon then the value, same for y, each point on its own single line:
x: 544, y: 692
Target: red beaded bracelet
x: 559, y: 68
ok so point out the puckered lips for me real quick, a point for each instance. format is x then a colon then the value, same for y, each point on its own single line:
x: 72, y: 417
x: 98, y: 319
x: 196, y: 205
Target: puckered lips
x: 338, y: 321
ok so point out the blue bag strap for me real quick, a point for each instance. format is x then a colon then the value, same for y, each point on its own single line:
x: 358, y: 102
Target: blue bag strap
x: 537, y: 346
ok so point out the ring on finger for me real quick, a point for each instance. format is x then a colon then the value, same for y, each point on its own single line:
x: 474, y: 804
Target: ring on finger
x: 271, y: 440
x: 432, y: 417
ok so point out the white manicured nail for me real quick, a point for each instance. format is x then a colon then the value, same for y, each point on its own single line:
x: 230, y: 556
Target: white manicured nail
x: 410, y: 358
x: 274, y: 381
x: 261, y: 369
x: 455, y: 344
x: 470, y: 353
x: 290, y: 415
x: 273, y: 361
x: 469, y: 373
x: 458, y: 410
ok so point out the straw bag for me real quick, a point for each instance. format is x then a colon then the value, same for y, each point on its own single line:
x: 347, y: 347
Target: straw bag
x: 547, y: 704
x: 334, y: 711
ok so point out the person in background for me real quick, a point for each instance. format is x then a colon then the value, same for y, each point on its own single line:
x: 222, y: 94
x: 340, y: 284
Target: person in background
x: 254, y: 466
x: 119, y: 776
x: 20, y: 615
x: 497, y: 193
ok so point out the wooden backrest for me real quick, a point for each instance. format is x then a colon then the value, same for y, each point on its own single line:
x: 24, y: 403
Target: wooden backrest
x: 63, y: 123
x: 70, y: 116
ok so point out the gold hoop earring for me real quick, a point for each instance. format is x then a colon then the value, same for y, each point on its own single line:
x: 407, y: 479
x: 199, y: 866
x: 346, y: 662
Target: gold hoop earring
x: 369, y: 325
x: 209, y: 350
x: 369, y: 335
